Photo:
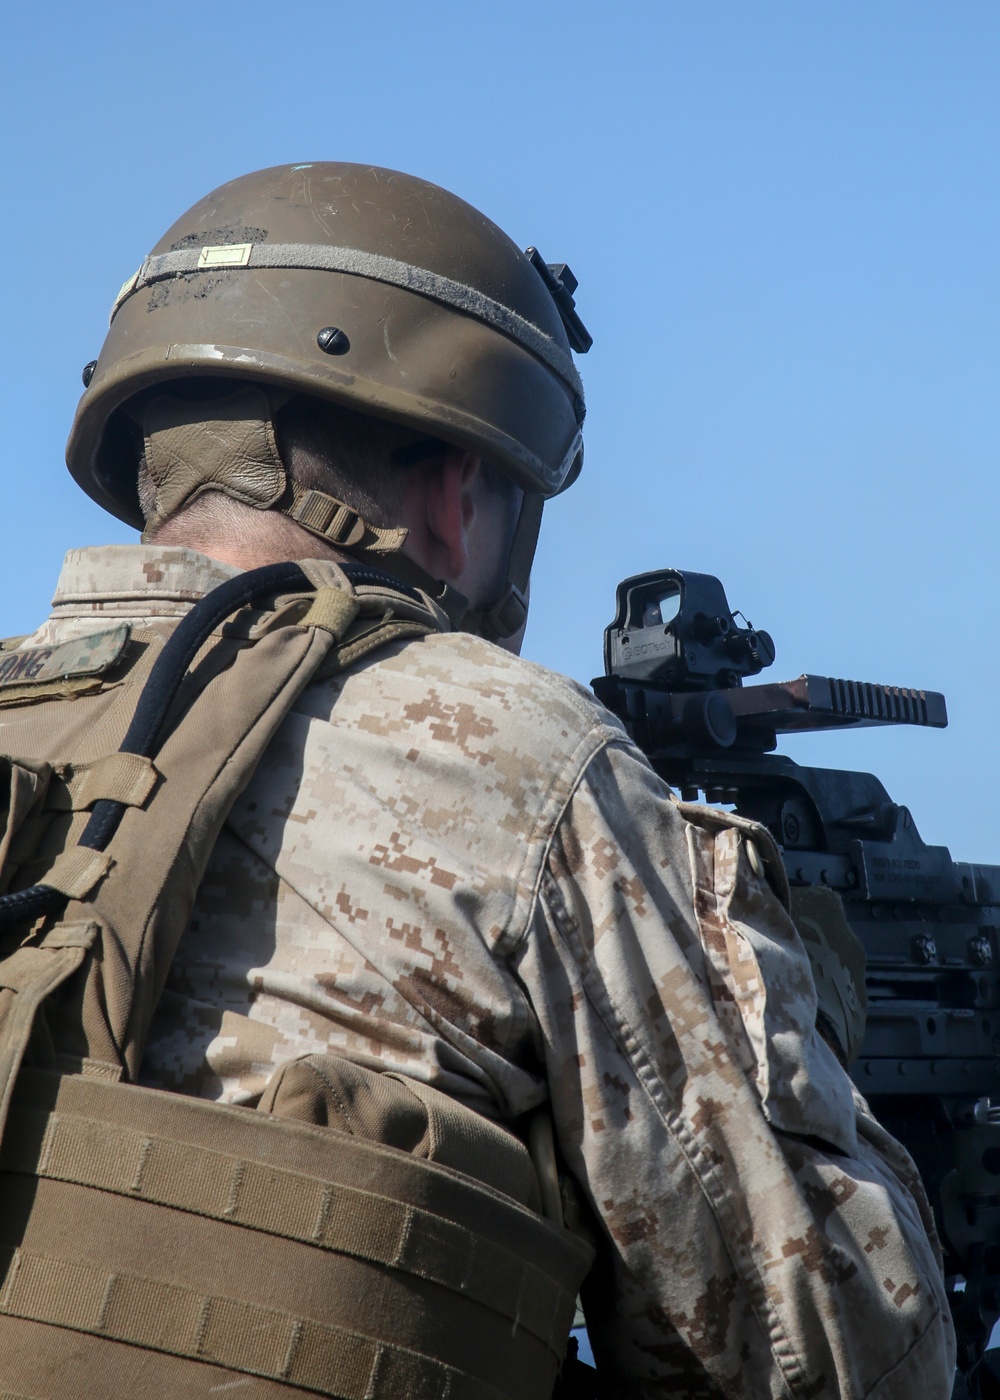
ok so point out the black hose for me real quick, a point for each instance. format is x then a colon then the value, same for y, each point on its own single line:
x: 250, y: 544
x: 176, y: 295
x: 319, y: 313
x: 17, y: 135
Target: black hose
x: 158, y: 694
x: 29, y: 904
x: 160, y: 691
x: 171, y: 666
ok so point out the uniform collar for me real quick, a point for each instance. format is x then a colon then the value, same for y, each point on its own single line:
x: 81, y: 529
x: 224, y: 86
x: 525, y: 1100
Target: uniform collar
x: 164, y: 580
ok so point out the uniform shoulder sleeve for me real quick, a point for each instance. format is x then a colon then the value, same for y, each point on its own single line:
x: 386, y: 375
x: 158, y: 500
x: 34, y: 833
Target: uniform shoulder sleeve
x: 755, y: 1242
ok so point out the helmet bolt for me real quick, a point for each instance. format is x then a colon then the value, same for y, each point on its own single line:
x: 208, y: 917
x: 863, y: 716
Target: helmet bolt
x: 333, y: 341
x: 88, y: 373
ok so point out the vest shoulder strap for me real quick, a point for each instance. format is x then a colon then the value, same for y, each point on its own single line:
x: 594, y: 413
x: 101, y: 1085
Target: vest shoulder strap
x: 179, y: 742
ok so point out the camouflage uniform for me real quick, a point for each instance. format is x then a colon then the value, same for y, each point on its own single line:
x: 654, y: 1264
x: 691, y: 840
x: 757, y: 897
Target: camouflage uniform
x: 454, y: 864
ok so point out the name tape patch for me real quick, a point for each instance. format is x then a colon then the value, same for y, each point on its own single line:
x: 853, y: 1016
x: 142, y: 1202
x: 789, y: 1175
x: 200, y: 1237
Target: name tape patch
x: 83, y: 656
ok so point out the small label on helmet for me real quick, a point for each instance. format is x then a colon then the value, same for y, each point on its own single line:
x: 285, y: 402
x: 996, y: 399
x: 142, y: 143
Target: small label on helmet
x: 225, y: 255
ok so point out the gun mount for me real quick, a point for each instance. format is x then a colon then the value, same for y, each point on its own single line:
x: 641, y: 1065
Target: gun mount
x: 676, y: 657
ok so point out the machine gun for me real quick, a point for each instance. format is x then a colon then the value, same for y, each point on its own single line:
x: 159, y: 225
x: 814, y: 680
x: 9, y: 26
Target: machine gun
x: 675, y: 659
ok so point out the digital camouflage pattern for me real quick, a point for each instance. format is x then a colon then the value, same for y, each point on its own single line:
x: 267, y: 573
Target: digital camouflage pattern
x: 454, y: 864
x: 80, y: 656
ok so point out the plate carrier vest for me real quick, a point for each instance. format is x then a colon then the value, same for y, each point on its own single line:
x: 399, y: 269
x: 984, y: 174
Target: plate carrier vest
x: 156, y: 1244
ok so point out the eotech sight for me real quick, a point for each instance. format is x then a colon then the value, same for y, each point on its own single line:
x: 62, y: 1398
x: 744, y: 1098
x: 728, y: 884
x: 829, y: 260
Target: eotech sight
x: 676, y: 658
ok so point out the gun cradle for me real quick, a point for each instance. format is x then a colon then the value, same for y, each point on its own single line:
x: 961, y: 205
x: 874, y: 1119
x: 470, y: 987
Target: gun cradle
x: 929, y: 1063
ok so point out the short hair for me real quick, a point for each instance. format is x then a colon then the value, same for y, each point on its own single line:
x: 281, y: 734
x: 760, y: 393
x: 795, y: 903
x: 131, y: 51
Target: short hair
x: 364, y: 461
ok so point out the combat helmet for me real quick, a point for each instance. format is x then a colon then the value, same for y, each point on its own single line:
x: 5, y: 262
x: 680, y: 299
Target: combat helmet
x: 367, y: 287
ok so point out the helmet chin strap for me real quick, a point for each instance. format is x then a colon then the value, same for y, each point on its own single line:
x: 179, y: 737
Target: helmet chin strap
x: 228, y: 445
x: 510, y: 611
x: 328, y: 518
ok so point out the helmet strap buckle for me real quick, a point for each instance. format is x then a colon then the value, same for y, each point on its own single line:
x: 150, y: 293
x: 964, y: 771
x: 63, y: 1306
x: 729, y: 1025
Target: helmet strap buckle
x: 338, y: 523
x: 507, y: 615
x: 327, y: 517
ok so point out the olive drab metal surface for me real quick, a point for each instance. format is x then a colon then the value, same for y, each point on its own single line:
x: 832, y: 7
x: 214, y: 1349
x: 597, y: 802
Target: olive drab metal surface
x: 365, y: 286
x: 362, y: 286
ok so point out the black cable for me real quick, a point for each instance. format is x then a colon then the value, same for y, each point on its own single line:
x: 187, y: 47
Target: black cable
x: 159, y: 693
x: 365, y: 573
x: 160, y: 690
x: 30, y: 904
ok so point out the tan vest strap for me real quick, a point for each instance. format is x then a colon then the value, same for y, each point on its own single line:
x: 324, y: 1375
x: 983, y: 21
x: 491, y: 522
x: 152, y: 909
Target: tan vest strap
x: 290, y: 1204
x: 242, y: 1337
x: 354, y: 648
x: 333, y: 610
x: 84, y: 1066
x: 76, y: 871
x: 120, y: 777
x: 27, y: 977
x: 142, y: 887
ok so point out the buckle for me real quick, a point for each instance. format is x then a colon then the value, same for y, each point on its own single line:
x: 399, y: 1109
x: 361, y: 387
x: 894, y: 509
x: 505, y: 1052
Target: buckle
x: 507, y: 615
x: 327, y: 516
x: 346, y: 528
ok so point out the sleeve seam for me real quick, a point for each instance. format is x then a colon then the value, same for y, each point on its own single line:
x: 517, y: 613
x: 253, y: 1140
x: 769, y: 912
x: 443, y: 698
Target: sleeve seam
x: 591, y: 744
x: 786, y: 1360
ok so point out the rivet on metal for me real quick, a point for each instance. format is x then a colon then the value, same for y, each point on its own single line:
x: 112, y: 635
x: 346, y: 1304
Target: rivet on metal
x: 924, y: 949
x: 333, y: 341
x: 981, y: 950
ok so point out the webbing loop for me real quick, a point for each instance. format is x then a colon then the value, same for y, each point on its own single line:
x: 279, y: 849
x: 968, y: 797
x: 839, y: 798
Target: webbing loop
x: 290, y: 1204
x: 242, y: 1337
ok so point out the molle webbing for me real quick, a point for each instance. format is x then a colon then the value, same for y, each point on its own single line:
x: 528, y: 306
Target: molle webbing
x: 364, y: 1224
x: 275, y: 1249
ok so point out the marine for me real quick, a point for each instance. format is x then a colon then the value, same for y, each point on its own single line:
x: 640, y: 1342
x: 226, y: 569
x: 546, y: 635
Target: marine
x: 444, y: 915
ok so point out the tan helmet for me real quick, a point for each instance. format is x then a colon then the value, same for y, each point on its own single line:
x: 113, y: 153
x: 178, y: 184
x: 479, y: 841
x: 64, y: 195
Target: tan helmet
x: 360, y: 285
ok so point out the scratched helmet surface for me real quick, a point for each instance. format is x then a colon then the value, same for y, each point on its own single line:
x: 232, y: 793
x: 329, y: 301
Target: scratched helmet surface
x: 368, y: 287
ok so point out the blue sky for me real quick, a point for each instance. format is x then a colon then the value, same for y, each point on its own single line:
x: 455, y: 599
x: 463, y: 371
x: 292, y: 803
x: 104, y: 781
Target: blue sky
x: 784, y: 221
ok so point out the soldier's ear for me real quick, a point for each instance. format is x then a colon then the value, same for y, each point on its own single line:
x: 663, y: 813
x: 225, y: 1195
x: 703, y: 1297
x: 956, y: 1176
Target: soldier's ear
x: 447, y: 511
